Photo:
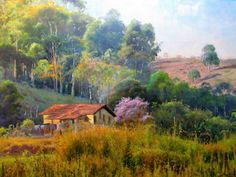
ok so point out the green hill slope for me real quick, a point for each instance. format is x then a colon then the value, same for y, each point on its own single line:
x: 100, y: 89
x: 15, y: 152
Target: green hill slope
x: 36, y: 100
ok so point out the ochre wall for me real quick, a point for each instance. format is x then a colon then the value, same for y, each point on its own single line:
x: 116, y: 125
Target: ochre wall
x: 91, y: 118
x: 47, y: 121
x: 103, y: 116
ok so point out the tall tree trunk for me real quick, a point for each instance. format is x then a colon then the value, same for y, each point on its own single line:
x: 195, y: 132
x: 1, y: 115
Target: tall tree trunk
x: 14, y: 70
x: 14, y: 62
x: 56, y: 84
x: 37, y: 111
x: 54, y: 61
x: 61, y: 86
x: 32, y: 76
x: 73, y: 86
x: 67, y: 89
x: 73, y: 80
x: 54, y: 57
x: 81, y: 84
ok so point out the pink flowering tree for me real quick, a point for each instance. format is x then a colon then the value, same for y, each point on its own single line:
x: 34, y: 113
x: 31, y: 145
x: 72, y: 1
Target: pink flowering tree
x: 131, y: 110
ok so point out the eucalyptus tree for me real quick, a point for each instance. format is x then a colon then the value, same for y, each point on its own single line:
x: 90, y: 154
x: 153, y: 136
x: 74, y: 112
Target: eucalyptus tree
x: 54, y: 33
x: 139, y: 47
x: 209, y: 56
x: 106, y: 34
x: 100, y: 75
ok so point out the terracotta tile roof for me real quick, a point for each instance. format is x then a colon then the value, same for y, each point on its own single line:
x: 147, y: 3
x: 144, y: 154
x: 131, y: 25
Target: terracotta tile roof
x: 73, y: 111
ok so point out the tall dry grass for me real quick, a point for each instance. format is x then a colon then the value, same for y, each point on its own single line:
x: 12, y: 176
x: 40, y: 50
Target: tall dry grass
x: 122, y: 152
x: 20, y: 145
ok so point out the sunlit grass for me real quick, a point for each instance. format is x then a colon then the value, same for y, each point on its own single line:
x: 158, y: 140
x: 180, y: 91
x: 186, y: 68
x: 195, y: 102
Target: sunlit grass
x: 122, y: 151
x: 43, y: 98
x: 21, y: 145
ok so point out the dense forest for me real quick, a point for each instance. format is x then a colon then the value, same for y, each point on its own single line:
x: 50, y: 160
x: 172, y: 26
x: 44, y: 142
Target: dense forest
x: 56, y: 45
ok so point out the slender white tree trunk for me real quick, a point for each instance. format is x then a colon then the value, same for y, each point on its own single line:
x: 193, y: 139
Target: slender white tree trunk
x: 73, y: 86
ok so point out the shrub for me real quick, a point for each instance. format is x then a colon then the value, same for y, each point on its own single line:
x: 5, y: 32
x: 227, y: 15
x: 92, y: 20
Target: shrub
x: 218, y: 127
x: 223, y: 88
x: 178, y: 119
x: 169, y: 116
x: 10, y: 104
x: 27, y: 126
x: 193, y: 75
x: 127, y: 88
x: 3, y: 131
x: 233, y: 117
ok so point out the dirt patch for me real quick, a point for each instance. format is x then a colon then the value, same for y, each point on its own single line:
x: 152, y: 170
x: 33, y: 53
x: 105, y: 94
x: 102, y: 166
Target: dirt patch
x: 179, y: 68
x: 210, y: 76
x: 28, y: 149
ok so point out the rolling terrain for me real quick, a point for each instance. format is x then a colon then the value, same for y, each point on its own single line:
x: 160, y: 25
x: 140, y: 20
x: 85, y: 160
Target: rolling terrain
x: 179, y: 68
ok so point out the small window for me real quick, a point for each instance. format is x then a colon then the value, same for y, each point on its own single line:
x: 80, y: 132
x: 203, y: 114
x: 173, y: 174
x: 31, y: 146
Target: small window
x: 95, y: 119
x: 103, y: 118
x: 109, y: 120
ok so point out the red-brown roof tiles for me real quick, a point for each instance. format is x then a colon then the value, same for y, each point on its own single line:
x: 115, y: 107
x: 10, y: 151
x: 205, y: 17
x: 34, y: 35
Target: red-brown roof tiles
x: 73, y: 111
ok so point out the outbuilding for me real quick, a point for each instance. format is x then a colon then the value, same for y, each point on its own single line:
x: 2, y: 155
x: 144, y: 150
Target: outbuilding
x: 78, y: 114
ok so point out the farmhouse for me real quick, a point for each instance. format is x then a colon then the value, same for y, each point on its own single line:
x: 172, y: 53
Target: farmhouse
x: 78, y: 114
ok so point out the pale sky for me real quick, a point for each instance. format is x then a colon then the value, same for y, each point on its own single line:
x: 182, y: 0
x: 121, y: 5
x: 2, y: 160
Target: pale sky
x: 184, y: 26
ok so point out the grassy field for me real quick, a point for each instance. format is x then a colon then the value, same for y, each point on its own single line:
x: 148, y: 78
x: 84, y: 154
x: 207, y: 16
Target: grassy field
x: 223, y: 75
x: 120, y: 152
x: 36, y: 100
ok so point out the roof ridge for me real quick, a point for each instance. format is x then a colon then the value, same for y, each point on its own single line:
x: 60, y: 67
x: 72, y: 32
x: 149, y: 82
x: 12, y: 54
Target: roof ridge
x: 73, y: 108
x: 78, y: 104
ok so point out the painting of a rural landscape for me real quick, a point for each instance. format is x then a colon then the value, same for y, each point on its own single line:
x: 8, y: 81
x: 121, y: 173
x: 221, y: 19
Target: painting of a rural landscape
x: 107, y: 88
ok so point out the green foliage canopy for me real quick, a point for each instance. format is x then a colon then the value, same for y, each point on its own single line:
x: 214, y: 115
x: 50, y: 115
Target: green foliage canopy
x: 10, y: 104
x: 128, y: 87
x: 105, y: 35
x: 210, y: 56
x: 160, y: 87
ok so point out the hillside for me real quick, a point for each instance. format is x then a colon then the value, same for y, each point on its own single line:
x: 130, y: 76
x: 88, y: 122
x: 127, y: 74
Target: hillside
x: 179, y: 68
x: 35, y: 100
